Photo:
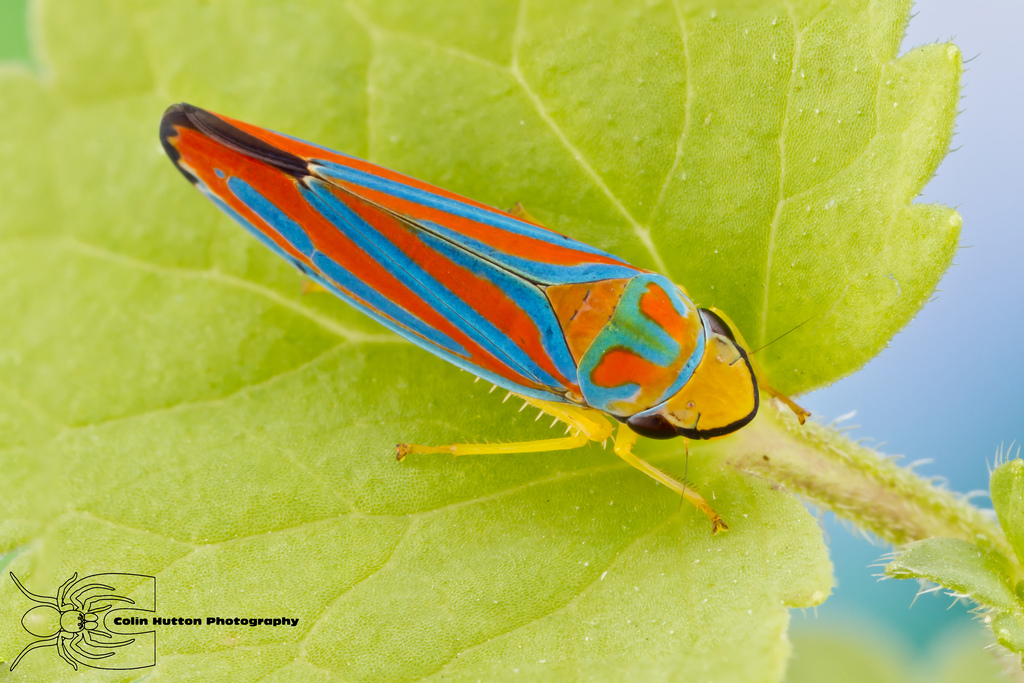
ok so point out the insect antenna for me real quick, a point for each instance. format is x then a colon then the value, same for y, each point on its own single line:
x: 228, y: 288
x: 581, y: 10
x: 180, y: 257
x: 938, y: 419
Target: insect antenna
x: 792, y: 329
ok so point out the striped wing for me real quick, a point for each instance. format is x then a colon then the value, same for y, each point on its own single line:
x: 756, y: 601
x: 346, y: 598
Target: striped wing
x: 463, y: 280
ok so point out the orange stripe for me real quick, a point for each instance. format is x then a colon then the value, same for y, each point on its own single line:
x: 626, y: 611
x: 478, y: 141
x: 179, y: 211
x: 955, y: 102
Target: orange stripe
x: 656, y: 305
x: 203, y: 156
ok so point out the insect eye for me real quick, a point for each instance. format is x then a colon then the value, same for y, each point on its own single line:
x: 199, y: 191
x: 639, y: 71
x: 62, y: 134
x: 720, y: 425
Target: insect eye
x: 716, y: 324
x: 652, y: 426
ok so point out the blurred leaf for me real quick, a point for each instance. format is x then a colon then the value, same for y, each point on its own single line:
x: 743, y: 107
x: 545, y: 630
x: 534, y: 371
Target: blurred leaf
x: 13, y: 37
x: 189, y: 414
x: 860, y: 655
x: 980, y: 574
x: 1007, y: 491
x: 846, y: 657
x: 967, y: 569
x: 958, y: 565
x: 1009, y: 630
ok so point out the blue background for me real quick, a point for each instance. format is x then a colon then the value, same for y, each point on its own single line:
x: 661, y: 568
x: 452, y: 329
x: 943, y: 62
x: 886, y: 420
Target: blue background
x: 949, y: 387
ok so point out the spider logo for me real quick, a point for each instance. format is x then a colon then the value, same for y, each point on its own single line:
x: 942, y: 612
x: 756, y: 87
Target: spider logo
x: 66, y: 622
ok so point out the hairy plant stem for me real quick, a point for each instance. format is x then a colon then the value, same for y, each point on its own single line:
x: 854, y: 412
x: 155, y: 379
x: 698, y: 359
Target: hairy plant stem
x: 859, y: 484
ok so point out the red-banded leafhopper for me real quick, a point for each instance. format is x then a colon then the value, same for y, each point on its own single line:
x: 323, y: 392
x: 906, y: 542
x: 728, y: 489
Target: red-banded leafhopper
x: 577, y: 332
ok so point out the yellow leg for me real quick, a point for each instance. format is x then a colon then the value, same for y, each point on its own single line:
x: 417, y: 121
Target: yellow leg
x: 588, y: 426
x: 762, y: 380
x: 801, y: 413
x: 457, y: 449
x: 310, y: 287
x: 521, y: 213
x: 624, y: 441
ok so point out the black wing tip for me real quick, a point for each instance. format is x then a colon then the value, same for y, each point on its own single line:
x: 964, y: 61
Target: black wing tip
x: 175, y: 117
x: 184, y: 115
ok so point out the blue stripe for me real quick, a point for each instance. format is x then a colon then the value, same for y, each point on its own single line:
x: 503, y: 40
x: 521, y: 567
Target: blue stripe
x: 463, y: 210
x: 527, y: 297
x: 631, y: 330
x: 354, y: 287
x: 354, y: 292
x: 249, y: 227
x: 540, y: 272
x: 433, y: 349
x: 291, y: 231
x: 454, y: 207
x: 256, y: 232
x: 425, y: 285
x: 384, y: 307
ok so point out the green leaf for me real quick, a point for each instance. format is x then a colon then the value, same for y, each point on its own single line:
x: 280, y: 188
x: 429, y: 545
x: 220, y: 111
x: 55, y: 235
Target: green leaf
x: 13, y: 41
x: 847, y: 655
x: 170, y: 404
x: 983, y: 575
x: 1009, y: 630
x: 1007, y: 491
x: 959, y: 565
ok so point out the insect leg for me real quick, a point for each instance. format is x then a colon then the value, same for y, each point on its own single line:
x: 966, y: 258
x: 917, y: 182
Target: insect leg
x: 520, y: 212
x: 801, y: 413
x: 762, y: 379
x: 588, y: 425
x: 624, y: 441
x: 312, y: 287
x: 457, y: 449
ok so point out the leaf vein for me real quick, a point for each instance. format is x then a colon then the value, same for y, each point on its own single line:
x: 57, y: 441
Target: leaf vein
x: 361, y: 16
x: 642, y: 233
x: 31, y: 405
x: 314, y: 474
x: 406, y: 534
x: 576, y: 598
x: 188, y: 404
x: 781, y: 192
x: 860, y: 154
x: 684, y: 35
x: 184, y: 405
x: 371, y: 32
x: 558, y: 476
x: 219, y: 277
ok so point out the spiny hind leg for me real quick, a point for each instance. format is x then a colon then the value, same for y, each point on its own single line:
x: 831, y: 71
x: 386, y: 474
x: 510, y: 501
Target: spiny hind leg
x: 585, y: 425
x: 762, y: 379
x: 520, y: 212
x: 624, y: 441
x: 313, y: 287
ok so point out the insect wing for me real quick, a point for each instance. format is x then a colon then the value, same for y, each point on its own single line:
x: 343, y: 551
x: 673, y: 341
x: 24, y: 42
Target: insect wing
x: 459, y: 278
